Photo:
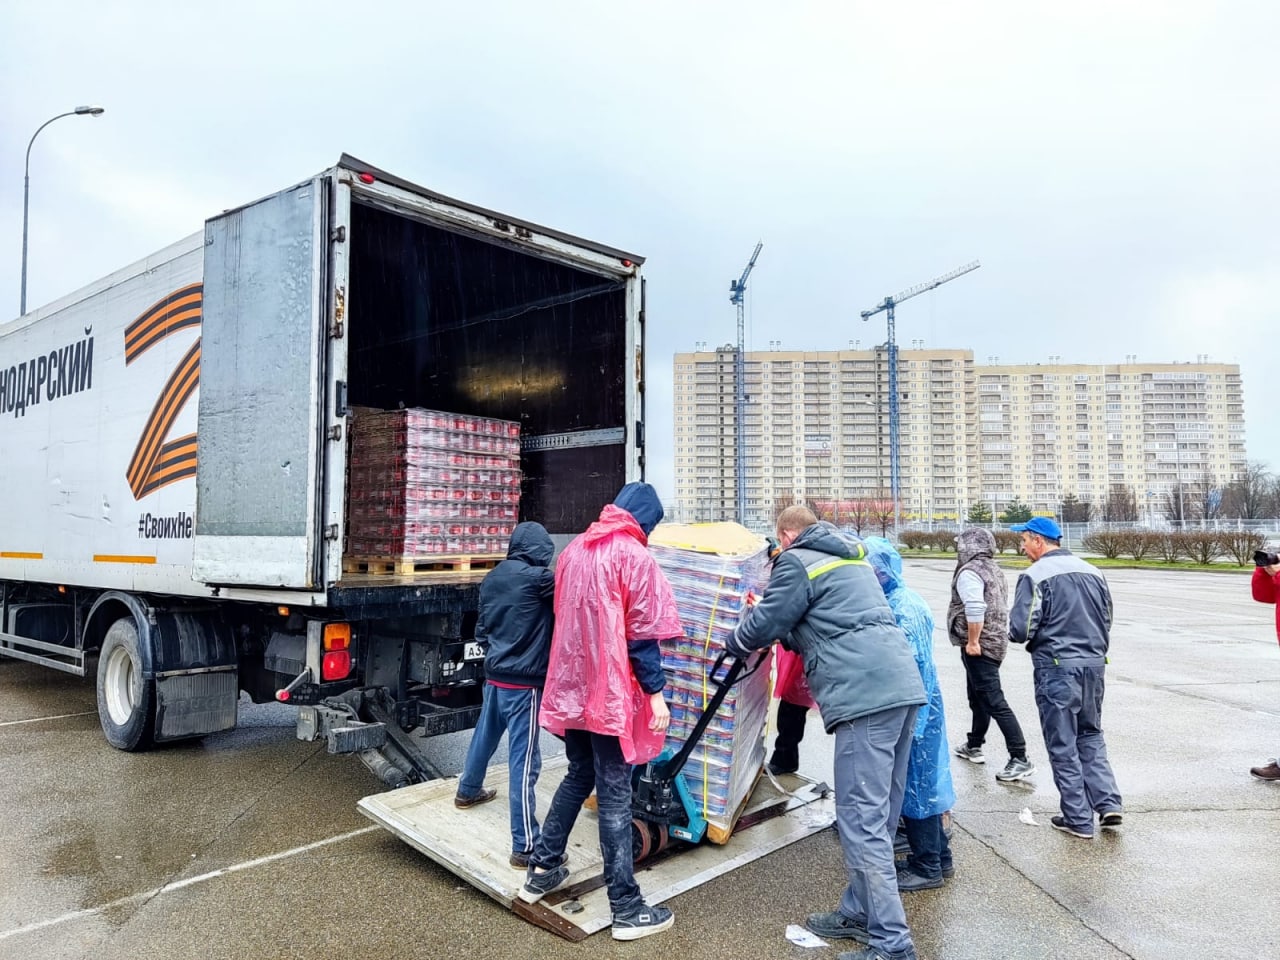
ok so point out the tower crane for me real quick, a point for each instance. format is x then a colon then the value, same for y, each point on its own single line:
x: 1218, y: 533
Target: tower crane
x: 737, y: 295
x: 887, y: 306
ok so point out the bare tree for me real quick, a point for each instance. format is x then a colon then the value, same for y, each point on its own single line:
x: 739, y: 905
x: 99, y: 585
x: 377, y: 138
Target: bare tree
x: 858, y: 514
x: 822, y: 509
x: 882, y: 511
x: 1075, y: 511
x: 1121, y: 505
x: 1247, y: 495
x: 1179, y: 501
x: 1208, y: 497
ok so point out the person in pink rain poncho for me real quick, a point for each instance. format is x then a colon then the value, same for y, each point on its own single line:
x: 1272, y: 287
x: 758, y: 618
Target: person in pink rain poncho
x: 604, y: 696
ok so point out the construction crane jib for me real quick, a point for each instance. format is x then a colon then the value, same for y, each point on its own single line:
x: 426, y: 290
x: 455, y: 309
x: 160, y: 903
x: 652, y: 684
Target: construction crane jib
x: 737, y: 295
x: 887, y: 307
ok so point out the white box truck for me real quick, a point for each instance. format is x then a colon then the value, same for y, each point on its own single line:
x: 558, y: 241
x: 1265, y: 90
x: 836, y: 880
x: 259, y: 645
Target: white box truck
x: 174, y: 437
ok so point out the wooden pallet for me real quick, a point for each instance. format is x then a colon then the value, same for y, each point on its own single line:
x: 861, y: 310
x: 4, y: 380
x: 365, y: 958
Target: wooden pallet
x: 420, y: 566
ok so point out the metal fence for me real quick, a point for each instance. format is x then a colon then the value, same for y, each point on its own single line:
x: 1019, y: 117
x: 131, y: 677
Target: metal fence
x: 1073, y: 534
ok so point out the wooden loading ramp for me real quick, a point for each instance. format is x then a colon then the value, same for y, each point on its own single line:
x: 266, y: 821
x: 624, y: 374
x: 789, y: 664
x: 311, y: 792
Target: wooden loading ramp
x: 474, y: 844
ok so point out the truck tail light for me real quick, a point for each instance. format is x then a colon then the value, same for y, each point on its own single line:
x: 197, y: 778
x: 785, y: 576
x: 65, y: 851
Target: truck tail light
x: 337, y: 636
x: 336, y: 664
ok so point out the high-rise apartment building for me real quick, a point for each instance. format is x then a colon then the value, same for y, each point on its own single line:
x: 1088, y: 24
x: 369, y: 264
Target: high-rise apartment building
x: 817, y: 430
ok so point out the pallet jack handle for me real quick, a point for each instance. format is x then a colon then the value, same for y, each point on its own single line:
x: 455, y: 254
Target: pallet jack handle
x: 738, y: 670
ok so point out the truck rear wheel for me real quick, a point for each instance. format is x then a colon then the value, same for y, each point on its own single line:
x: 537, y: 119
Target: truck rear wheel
x: 126, y: 702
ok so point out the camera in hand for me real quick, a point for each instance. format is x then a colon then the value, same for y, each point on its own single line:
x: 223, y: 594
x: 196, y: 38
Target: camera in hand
x: 1263, y: 559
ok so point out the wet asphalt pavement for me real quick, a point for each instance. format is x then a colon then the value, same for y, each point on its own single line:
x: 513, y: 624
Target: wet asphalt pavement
x: 248, y: 844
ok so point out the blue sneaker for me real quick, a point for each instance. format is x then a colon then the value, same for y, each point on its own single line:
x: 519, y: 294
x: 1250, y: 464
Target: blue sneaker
x: 642, y: 922
x: 538, y: 885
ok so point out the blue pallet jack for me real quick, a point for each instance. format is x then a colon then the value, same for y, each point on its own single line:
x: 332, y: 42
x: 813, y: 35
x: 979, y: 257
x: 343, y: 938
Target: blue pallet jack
x: 662, y: 807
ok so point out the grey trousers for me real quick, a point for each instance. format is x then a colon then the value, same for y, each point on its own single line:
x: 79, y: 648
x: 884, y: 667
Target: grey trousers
x: 1069, y: 698
x: 870, y: 775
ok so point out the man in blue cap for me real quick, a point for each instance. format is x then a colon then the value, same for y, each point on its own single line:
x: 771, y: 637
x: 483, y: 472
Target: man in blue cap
x: 1062, y: 612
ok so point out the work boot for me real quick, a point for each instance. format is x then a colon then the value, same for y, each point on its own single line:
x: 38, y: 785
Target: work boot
x: 972, y: 754
x: 484, y: 796
x: 871, y: 953
x: 1268, y: 774
x: 642, y: 922
x: 836, y: 926
x: 909, y: 881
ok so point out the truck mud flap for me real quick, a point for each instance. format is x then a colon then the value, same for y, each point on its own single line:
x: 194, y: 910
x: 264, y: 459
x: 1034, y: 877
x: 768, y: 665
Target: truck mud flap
x: 474, y: 844
x: 194, y: 704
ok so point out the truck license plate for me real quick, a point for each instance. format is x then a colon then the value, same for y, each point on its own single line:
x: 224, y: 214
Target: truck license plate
x: 473, y: 651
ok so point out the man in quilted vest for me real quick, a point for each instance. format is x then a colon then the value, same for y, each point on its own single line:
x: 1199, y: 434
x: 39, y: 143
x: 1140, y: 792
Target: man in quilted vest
x: 978, y: 623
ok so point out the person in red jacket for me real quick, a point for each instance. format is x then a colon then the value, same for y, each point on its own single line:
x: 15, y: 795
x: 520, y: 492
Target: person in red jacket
x: 1266, y: 589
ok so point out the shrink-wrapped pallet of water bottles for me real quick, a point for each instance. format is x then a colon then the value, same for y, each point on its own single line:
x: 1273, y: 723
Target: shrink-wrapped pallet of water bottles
x: 425, y: 483
x: 712, y: 567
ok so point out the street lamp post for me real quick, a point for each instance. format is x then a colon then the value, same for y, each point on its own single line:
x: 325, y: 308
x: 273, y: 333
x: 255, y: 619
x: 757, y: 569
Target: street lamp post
x: 26, y: 186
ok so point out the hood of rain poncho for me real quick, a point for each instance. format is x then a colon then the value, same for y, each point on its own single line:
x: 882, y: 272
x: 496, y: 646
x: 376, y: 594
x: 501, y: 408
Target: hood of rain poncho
x: 975, y: 542
x: 609, y: 590
x: 929, y: 790
x: 886, y: 562
x: 642, y: 502
x: 531, y: 544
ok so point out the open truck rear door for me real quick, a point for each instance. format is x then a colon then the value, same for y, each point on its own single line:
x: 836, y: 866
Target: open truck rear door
x: 262, y: 392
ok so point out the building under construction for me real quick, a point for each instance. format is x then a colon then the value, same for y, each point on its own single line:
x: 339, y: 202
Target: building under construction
x: 816, y: 430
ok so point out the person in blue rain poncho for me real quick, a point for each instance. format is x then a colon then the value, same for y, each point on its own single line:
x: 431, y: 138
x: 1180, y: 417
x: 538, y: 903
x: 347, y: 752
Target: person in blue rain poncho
x: 929, y: 792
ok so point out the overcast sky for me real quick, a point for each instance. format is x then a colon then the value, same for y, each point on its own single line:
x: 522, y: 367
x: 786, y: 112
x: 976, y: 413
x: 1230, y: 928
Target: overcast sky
x: 1113, y: 164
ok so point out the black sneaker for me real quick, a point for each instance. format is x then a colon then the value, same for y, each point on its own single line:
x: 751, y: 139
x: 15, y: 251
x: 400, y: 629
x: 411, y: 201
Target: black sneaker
x: 909, y: 881
x: 1058, y: 823
x: 538, y: 885
x: 972, y: 754
x: 1016, y: 769
x: 1111, y: 819
x: 836, y: 926
x: 643, y: 922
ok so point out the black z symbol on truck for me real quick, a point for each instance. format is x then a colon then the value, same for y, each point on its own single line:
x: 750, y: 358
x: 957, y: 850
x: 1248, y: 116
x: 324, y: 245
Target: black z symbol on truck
x: 159, y: 460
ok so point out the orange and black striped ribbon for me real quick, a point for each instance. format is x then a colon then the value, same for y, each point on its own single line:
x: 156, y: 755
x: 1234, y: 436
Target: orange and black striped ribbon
x: 157, y: 462
x: 178, y: 310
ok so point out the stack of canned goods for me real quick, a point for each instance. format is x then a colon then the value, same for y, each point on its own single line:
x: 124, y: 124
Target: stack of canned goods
x: 426, y: 483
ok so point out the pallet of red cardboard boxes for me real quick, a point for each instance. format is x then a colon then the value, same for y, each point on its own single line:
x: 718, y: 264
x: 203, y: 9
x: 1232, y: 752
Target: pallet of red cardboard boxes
x: 429, y: 490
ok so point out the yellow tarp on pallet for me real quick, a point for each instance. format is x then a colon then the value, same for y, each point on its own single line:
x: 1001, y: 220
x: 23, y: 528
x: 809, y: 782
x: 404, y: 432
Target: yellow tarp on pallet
x: 726, y: 539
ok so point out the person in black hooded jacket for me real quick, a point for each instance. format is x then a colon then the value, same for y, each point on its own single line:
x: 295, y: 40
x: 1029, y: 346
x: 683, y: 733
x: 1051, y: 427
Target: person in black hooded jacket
x: 514, y: 627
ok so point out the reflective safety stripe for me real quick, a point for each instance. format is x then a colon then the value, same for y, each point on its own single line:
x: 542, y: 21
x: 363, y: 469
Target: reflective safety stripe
x: 828, y: 567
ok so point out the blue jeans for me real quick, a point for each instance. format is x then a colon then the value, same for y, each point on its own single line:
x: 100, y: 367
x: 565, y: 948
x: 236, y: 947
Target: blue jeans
x: 595, y: 761
x: 930, y: 850
x: 516, y: 713
x: 871, y: 776
x: 1069, y: 697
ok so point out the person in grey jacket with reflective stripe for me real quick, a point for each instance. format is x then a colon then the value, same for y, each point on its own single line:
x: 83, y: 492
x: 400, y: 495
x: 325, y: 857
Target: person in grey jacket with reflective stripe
x: 1062, y: 612
x: 824, y: 601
